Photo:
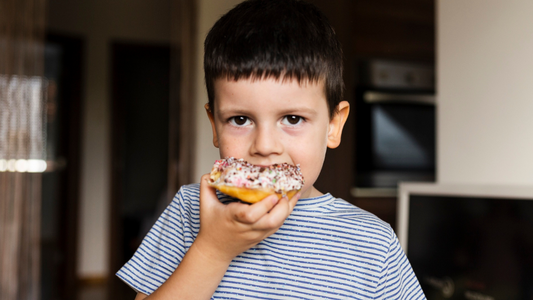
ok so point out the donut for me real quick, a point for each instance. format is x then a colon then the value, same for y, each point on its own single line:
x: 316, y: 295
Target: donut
x: 251, y: 183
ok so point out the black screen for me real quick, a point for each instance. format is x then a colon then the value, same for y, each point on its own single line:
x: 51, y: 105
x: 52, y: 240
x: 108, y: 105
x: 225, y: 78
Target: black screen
x: 472, y: 248
x: 403, y: 137
x: 395, y: 141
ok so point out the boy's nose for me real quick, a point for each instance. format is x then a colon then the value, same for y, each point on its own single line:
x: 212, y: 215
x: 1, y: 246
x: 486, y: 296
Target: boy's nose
x: 266, y: 142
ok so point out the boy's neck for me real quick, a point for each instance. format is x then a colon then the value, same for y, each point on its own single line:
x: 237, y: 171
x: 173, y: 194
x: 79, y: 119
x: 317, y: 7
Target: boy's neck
x: 312, y: 193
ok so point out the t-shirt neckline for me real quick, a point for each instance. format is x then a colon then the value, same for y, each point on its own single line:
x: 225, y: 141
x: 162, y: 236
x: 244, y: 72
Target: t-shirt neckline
x: 313, y: 202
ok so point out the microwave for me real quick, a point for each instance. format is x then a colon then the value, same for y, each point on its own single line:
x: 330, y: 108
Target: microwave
x: 395, y: 134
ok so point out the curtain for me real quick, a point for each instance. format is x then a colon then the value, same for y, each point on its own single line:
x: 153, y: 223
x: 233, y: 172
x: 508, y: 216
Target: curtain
x: 22, y: 145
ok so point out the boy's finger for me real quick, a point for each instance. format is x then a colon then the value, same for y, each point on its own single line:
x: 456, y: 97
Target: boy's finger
x: 207, y: 192
x: 294, y: 200
x: 250, y: 214
x: 277, y: 215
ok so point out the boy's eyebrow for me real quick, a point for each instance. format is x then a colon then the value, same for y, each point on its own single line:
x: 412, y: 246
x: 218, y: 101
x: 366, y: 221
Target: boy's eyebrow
x: 298, y: 110
x: 287, y: 111
x: 233, y: 111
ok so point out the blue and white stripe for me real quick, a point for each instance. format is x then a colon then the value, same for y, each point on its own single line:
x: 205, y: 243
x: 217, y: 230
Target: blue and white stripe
x: 326, y: 249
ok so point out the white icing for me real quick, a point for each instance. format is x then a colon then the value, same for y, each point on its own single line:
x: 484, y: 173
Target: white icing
x: 239, y: 173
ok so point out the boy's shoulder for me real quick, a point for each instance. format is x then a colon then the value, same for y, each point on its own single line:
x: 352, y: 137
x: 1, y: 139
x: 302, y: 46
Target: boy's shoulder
x: 187, y: 193
x: 189, y: 190
x: 346, y: 215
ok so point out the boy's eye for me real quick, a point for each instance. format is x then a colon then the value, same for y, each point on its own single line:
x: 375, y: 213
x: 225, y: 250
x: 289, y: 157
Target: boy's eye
x: 239, y: 121
x: 292, y: 120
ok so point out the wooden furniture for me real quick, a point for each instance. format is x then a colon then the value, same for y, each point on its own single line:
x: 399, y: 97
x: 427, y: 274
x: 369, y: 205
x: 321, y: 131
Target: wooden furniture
x: 387, y: 29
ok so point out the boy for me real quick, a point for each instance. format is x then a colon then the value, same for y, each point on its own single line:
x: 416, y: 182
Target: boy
x: 273, y: 72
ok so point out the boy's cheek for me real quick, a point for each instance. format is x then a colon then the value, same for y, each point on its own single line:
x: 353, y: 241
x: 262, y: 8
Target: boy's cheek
x: 232, y: 147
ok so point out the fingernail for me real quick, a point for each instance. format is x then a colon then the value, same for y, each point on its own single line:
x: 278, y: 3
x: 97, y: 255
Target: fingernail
x: 275, y: 200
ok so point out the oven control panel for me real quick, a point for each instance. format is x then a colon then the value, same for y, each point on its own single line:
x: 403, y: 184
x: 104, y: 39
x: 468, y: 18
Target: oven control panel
x: 384, y: 74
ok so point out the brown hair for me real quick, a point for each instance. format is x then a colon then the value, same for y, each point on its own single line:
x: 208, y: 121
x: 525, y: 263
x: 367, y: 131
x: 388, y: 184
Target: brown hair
x: 281, y: 39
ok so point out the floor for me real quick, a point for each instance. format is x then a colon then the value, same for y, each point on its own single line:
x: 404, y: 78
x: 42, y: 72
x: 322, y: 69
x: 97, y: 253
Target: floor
x: 92, y: 292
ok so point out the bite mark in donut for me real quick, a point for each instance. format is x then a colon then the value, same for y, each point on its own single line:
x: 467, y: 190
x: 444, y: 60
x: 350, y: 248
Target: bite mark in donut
x: 251, y: 183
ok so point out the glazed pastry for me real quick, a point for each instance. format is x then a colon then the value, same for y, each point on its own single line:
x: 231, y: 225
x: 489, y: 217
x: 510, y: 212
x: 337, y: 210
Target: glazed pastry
x: 251, y: 183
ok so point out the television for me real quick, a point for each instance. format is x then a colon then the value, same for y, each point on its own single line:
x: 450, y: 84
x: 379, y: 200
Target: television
x: 468, y: 242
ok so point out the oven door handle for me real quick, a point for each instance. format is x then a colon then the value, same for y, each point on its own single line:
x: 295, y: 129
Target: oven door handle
x: 379, y: 97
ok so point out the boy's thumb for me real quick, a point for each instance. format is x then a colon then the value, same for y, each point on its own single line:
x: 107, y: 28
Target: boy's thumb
x: 207, y: 193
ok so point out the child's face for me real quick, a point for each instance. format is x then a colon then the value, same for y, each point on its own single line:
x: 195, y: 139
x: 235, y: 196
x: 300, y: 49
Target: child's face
x: 269, y: 121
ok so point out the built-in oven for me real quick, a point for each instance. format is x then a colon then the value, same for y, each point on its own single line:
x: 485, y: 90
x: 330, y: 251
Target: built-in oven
x: 395, y: 133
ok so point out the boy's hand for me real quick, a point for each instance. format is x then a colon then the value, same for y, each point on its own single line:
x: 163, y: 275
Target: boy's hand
x: 225, y: 232
x: 228, y: 230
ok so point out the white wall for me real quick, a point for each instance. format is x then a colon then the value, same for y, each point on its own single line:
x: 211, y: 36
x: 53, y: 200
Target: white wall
x: 209, y: 11
x: 100, y: 22
x: 485, y: 91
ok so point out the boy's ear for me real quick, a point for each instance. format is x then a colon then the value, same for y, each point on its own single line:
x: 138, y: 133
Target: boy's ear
x: 212, y: 120
x: 336, y: 124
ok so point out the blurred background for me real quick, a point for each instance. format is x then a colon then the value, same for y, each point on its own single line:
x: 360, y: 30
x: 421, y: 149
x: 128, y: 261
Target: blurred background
x: 125, y: 126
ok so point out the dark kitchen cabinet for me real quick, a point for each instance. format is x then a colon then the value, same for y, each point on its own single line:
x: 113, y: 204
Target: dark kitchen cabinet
x: 370, y: 29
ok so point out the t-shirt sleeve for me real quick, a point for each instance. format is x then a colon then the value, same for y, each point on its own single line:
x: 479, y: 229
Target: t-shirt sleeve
x: 163, y: 248
x: 397, y: 279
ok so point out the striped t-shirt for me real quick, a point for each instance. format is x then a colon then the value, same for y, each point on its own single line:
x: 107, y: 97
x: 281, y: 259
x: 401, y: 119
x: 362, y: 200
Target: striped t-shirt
x: 326, y: 249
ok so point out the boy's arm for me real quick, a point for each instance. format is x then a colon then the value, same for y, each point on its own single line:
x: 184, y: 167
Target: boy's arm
x: 225, y: 232
x: 398, y: 281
